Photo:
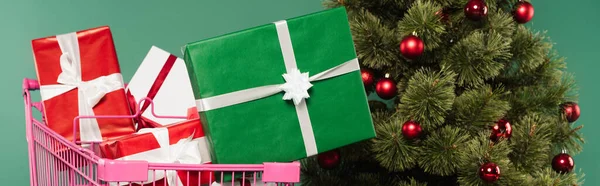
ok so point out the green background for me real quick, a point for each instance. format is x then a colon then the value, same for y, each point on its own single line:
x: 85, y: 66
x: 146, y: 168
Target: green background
x: 572, y: 25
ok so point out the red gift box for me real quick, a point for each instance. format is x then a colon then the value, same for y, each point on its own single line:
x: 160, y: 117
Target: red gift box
x: 182, y: 142
x: 79, y: 74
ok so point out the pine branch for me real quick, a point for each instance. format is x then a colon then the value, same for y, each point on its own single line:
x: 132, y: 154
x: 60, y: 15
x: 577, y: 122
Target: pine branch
x: 529, y: 50
x: 500, y: 22
x: 550, y: 177
x: 478, y: 57
x: 449, y: 3
x: 444, y: 151
x: 391, y: 150
x: 543, y: 98
x: 531, y: 142
x: 411, y: 182
x: 376, y: 44
x: 566, y: 137
x: 479, y: 108
x: 389, y: 11
x: 312, y: 174
x: 463, y: 27
x: 481, y: 150
x: 547, y: 73
x: 423, y: 19
x: 429, y: 97
x: 350, y: 173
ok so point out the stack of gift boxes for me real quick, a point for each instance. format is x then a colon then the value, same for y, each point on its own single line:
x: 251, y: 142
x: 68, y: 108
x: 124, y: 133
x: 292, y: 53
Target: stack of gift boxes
x: 279, y: 92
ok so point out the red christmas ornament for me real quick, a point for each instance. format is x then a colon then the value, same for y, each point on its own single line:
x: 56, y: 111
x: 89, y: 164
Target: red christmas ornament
x: 571, y: 111
x: 367, y: 77
x: 411, y: 130
x: 502, y: 129
x: 563, y: 163
x: 411, y: 47
x: 329, y: 160
x: 489, y: 172
x: 523, y: 12
x: 386, y: 88
x: 444, y: 15
x: 476, y: 9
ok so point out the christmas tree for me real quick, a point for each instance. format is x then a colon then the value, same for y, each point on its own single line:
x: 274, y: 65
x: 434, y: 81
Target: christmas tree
x: 469, y: 96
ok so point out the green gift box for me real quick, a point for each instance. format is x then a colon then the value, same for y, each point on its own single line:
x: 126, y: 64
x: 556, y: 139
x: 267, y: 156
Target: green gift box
x: 280, y: 92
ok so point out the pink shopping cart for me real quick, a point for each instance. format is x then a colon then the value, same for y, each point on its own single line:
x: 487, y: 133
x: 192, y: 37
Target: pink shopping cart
x: 55, y: 161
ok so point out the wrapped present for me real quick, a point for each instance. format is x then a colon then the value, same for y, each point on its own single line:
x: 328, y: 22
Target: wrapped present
x: 290, y: 89
x: 79, y: 75
x: 163, y: 78
x: 182, y: 142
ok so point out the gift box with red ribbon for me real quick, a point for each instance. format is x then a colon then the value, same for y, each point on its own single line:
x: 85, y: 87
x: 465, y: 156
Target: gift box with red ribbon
x: 182, y: 143
x: 163, y: 78
x: 79, y: 75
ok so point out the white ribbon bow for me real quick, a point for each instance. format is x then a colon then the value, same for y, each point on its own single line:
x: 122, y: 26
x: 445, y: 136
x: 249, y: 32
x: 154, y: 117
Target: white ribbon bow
x: 185, y: 151
x: 93, y: 91
x: 89, y: 93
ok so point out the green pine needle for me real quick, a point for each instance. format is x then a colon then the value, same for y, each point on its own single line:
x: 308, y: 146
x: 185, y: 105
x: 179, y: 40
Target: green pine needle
x: 411, y: 182
x: 480, y: 108
x: 567, y: 137
x: 500, y: 22
x: 529, y: 49
x: 429, y: 97
x: 478, y: 57
x: 530, y: 142
x: 444, y: 151
x: 423, y: 19
x: 481, y: 150
x: 376, y: 44
x: 550, y: 177
x: 542, y: 98
x: 391, y: 149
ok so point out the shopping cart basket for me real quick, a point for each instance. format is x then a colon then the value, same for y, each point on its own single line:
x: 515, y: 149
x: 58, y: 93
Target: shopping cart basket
x: 55, y: 161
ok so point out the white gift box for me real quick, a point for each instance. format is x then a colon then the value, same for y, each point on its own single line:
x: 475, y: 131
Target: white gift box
x: 174, y: 97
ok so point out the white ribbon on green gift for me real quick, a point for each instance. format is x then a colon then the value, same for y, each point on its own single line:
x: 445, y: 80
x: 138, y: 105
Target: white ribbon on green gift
x: 247, y: 95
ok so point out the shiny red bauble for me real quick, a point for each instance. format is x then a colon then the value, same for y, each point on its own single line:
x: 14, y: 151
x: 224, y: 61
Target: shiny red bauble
x: 368, y: 78
x: 523, y: 12
x: 476, y: 10
x: 563, y: 163
x: 329, y: 160
x: 386, y: 88
x: 444, y: 15
x: 411, y: 130
x: 411, y: 47
x: 502, y: 129
x: 489, y: 172
x: 571, y: 111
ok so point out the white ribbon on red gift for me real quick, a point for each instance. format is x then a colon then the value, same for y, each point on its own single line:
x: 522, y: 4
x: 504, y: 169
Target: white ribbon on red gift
x: 89, y: 93
x: 295, y: 88
x: 185, y: 151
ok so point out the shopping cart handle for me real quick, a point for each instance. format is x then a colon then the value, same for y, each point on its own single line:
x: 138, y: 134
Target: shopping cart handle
x: 30, y: 84
x: 122, y: 171
x: 282, y: 172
